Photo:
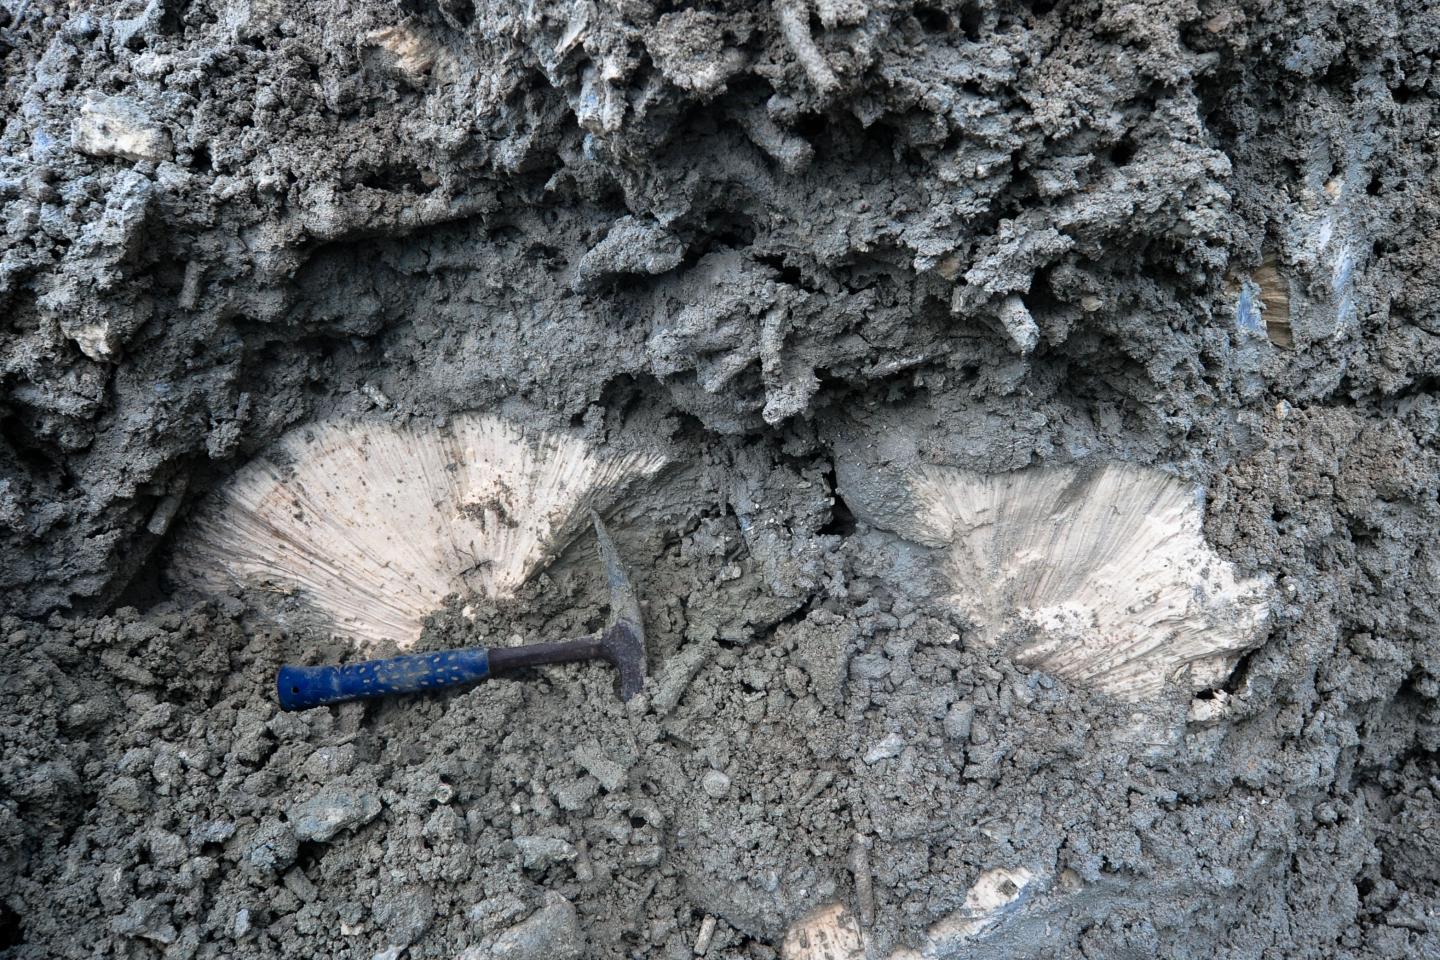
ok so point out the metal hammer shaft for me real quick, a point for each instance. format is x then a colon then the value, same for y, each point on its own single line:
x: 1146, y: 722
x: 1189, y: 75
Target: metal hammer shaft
x: 301, y: 688
x: 622, y: 643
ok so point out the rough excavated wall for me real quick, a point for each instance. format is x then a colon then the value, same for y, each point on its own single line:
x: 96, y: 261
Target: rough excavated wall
x: 760, y: 238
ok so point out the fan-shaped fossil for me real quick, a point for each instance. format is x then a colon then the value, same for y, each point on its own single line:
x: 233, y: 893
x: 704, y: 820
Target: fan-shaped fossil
x: 1103, y: 577
x: 375, y: 524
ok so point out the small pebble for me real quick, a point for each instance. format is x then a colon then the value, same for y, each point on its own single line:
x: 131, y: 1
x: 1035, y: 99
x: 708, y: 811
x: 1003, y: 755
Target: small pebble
x: 958, y: 720
x: 272, y: 848
x: 715, y: 783
x: 550, y: 933
x: 648, y: 855
x: 376, y: 396
x: 575, y: 794
x: 404, y: 914
x: 126, y: 794
x: 335, y: 808
x: 166, y: 849
x: 593, y: 761
x: 870, y: 666
x: 297, y: 883
x: 537, y: 853
x: 327, y: 762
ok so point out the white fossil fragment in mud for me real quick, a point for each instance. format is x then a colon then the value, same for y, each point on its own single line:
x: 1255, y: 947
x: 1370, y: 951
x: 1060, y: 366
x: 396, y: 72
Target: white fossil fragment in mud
x: 794, y: 19
x: 828, y: 932
x: 1263, y: 304
x: 831, y: 932
x: 1102, y: 576
x: 993, y: 894
x: 692, y: 51
x: 1019, y: 324
x: 119, y: 127
x: 376, y: 524
x: 415, y: 54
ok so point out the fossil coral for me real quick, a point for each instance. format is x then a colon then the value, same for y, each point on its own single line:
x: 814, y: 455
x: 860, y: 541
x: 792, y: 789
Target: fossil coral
x: 1103, y: 576
x: 375, y: 524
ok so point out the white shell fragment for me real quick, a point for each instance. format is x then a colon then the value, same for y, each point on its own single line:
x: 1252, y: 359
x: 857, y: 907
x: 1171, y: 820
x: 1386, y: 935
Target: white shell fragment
x: 1019, y: 324
x: 830, y: 932
x: 1262, y: 304
x: 1102, y: 577
x: 375, y: 524
x: 993, y: 894
x: 415, y: 55
x: 119, y: 127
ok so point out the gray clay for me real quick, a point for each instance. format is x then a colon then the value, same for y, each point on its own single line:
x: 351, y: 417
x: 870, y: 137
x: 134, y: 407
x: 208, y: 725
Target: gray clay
x: 794, y: 247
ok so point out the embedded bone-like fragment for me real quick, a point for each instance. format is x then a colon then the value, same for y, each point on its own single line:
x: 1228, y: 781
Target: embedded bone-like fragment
x: 119, y: 127
x: 415, y: 54
x: 1019, y: 324
x: 1209, y: 710
x: 828, y: 932
x: 689, y: 48
x: 632, y: 246
x: 841, y: 13
x: 793, y: 17
x: 791, y: 152
x: 375, y: 524
x: 1100, y: 577
x: 1275, y: 299
x: 1324, y: 244
x: 601, y: 103
x: 1263, y: 304
x: 993, y: 894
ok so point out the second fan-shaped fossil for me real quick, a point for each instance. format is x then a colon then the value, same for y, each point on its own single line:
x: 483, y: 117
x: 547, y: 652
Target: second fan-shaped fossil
x: 376, y: 524
x: 1102, y: 577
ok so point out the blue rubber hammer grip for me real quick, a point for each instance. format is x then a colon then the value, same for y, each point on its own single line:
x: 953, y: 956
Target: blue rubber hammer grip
x: 301, y: 688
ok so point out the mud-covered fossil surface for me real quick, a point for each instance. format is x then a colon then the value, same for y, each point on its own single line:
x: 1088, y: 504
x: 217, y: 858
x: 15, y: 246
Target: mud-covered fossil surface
x: 777, y: 244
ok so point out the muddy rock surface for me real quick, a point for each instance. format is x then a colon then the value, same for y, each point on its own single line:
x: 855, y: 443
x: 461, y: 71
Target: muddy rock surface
x: 782, y: 244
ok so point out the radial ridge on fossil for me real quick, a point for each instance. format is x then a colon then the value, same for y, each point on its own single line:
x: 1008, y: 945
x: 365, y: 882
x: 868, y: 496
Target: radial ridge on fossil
x: 375, y: 524
x: 1101, y: 576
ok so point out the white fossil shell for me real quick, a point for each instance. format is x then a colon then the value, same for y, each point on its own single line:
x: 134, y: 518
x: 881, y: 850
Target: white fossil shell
x: 415, y: 54
x: 1102, y: 577
x: 831, y: 932
x: 993, y: 894
x: 376, y: 524
x: 828, y: 932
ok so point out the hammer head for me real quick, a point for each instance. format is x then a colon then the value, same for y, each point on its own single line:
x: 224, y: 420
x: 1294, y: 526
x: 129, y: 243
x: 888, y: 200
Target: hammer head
x: 623, y: 640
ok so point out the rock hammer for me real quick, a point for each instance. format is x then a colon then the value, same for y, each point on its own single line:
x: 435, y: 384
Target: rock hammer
x: 621, y: 642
